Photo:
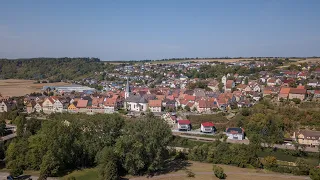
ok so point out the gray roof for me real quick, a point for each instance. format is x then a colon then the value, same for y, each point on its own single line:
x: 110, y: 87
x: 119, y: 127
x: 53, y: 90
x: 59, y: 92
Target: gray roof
x: 136, y: 99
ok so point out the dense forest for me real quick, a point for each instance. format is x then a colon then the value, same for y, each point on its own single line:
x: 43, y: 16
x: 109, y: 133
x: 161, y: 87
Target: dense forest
x: 54, y: 69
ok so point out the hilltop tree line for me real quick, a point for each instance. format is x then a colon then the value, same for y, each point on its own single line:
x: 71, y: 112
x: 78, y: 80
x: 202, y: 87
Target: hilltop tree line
x: 54, y: 69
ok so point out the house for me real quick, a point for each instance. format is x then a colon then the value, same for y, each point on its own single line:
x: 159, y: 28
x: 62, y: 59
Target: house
x: 170, y: 104
x: 244, y: 103
x: 214, y: 85
x: 255, y: 87
x: 184, y: 125
x: 4, y: 107
x: 110, y: 105
x: 316, y: 94
x: 302, y: 75
x: 198, y: 92
x: 206, y: 105
x: 207, y: 127
x: 229, y: 85
x: 38, y: 107
x: 284, y: 93
x: 155, y: 105
x: 94, y: 110
x: 72, y: 108
x: 307, y: 137
x: 82, y: 105
x: 235, y: 133
x: 169, y: 119
x: 273, y: 81
x: 297, y: 93
x: 57, y: 106
x: 47, y: 105
x: 313, y: 83
x: 30, y: 107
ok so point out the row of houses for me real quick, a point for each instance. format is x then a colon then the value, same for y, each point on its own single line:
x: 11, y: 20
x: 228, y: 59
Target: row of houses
x: 89, y: 105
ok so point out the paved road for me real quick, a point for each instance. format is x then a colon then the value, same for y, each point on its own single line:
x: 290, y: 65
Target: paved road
x: 10, y: 136
x: 3, y: 176
x: 282, y: 176
x: 245, y: 141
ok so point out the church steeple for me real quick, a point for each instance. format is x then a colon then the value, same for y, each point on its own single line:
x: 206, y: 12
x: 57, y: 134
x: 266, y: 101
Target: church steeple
x: 127, y: 92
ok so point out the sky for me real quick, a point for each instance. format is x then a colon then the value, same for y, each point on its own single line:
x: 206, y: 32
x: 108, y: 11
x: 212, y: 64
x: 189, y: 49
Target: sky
x: 158, y: 29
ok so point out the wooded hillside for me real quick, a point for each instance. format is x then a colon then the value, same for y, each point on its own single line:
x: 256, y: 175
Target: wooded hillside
x: 54, y: 69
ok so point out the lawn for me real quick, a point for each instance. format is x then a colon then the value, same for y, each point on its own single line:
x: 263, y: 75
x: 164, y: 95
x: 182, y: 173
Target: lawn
x: 85, y: 174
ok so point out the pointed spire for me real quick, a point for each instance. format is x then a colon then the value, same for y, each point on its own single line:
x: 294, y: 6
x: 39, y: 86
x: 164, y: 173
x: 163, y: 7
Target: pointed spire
x: 127, y: 86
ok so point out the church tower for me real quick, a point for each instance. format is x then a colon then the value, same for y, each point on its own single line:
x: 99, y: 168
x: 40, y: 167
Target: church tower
x: 224, y: 80
x: 127, y: 92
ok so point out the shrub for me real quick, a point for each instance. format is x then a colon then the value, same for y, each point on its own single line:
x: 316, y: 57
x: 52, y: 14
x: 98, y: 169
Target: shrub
x: 218, y: 172
x: 190, y: 173
x: 16, y: 171
x: 296, y: 100
x: 270, y: 162
x: 315, y: 174
x: 71, y: 178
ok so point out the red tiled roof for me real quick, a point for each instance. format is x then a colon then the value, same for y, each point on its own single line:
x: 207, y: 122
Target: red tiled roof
x: 285, y: 90
x: 267, y: 91
x: 160, y: 97
x: 110, y: 102
x: 51, y: 100
x: 82, y: 103
x: 155, y: 103
x: 206, y: 124
x: 297, y: 91
x: 185, y: 121
x: 189, y: 97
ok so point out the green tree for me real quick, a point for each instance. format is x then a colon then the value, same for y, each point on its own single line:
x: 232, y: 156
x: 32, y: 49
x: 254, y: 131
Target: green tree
x: 143, y: 146
x: 20, y: 122
x: 187, y: 108
x: 108, y: 164
x: 16, y: 154
x: 220, y: 86
x: 246, y: 81
x: 50, y: 164
x: 2, y: 127
x: 303, y: 166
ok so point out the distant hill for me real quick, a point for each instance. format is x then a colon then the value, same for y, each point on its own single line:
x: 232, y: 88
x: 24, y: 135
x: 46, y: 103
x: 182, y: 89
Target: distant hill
x: 54, y: 69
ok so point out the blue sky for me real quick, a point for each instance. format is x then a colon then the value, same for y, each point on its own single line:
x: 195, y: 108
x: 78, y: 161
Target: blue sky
x: 150, y: 29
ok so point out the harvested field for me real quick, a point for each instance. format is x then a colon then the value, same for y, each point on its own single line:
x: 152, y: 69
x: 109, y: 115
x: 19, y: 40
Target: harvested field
x: 203, y: 171
x: 18, y: 87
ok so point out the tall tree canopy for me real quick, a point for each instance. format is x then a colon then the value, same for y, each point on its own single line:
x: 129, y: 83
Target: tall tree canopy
x: 143, y: 145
